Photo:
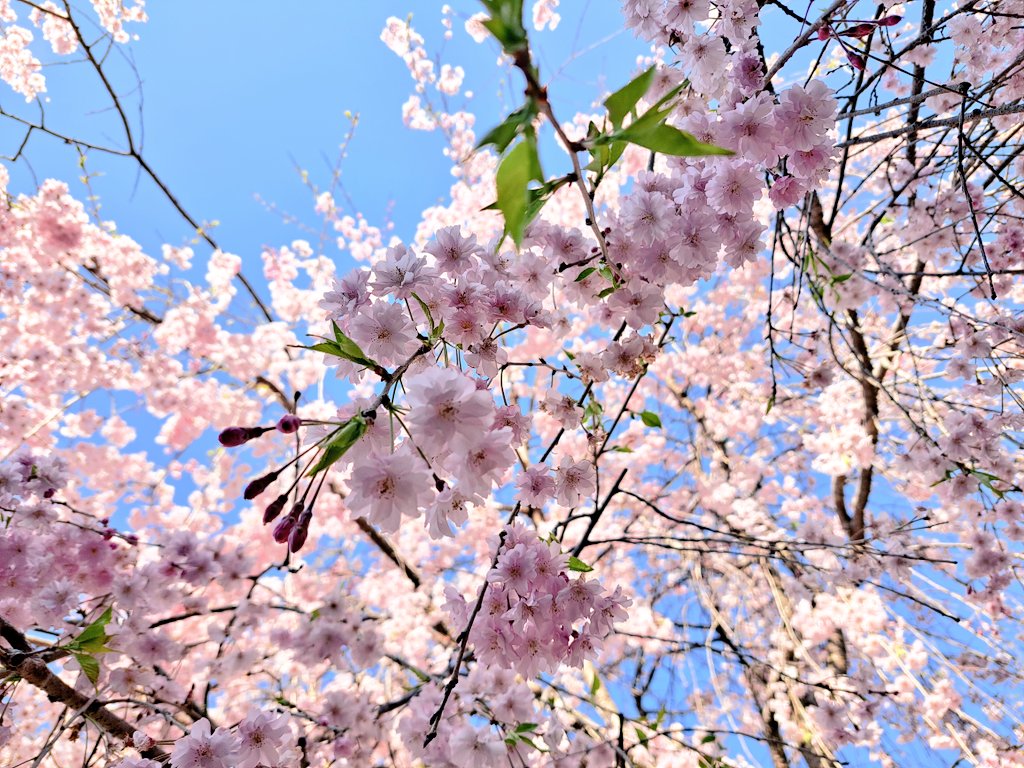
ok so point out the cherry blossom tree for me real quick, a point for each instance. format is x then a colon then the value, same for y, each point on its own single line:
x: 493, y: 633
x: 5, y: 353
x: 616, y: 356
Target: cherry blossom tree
x: 697, y: 445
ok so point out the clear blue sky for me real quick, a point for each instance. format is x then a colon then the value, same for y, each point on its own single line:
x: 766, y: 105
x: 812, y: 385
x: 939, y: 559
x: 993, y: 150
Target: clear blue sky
x: 235, y: 96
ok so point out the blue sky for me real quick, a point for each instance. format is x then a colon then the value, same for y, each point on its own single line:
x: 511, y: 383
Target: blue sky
x: 232, y: 98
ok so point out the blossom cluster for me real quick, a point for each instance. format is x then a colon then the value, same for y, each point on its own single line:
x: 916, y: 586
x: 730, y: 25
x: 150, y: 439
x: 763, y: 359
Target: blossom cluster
x: 534, y: 616
x: 20, y: 67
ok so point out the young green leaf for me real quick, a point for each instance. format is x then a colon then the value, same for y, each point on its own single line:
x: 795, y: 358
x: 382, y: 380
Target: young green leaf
x: 89, y: 665
x: 503, y: 134
x: 650, y: 419
x: 506, y: 23
x: 575, y: 564
x: 585, y: 274
x: 426, y: 311
x: 669, y: 140
x: 345, y: 438
x: 606, y: 155
x: 624, y: 100
x: 327, y: 347
x: 350, y: 350
x: 94, y: 637
x: 517, y: 170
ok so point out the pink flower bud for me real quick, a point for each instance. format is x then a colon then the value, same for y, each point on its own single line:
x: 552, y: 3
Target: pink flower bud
x: 142, y: 741
x: 289, y: 423
x: 855, y: 59
x: 824, y: 32
x: 890, y: 21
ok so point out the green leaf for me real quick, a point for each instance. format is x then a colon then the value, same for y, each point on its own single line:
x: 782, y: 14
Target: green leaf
x: 669, y: 140
x: 606, y: 154
x: 350, y: 350
x: 585, y: 274
x: 575, y: 564
x: 708, y: 739
x: 345, y: 439
x: 90, y: 666
x: 426, y: 311
x: 622, y: 449
x: 94, y: 637
x: 517, y: 170
x: 327, y: 347
x: 641, y: 736
x: 526, y: 727
x: 503, y: 134
x: 506, y: 23
x: 595, y: 685
x: 624, y: 100
x: 650, y: 419
x: 527, y: 740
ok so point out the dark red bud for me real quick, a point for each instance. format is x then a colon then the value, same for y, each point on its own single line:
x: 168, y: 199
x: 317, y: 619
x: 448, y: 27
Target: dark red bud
x: 855, y: 59
x: 859, y: 30
x: 301, y: 530
x: 283, y: 529
x: 824, y: 33
x: 890, y: 21
x: 259, y: 485
x: 289, y: 423
x: 297, y: 538
x: 275, y: 508
x: 232, y: 437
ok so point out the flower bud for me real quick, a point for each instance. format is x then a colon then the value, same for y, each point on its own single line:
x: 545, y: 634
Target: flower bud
x: 289, y: 423
x: 298, y: 536
x: 232, y: 437
x: 283, y: 529
x: 824, y: 33
x: 259, y: 485
x: 860, y: 30
x: 890, y: 21
x: 275, y: 508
